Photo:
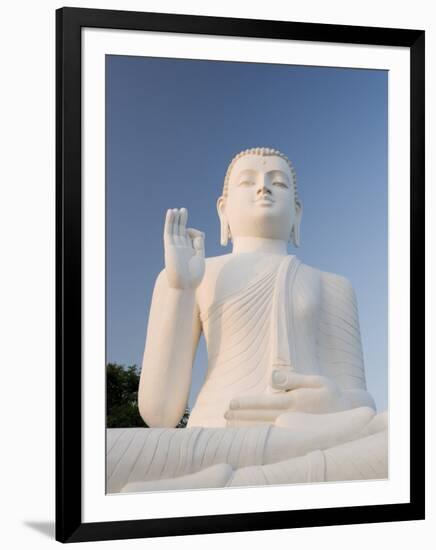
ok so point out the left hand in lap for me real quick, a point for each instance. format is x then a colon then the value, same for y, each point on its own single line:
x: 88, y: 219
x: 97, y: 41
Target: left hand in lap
x: 294, y: 393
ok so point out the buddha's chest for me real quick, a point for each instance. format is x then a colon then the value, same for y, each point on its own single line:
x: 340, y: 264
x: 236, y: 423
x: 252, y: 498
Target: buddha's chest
x: 241, y: 274
x: 240, y: 294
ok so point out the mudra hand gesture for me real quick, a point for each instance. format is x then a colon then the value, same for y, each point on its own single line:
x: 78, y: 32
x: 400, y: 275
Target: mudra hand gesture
x: 184, y: 251
x: 294, y: 393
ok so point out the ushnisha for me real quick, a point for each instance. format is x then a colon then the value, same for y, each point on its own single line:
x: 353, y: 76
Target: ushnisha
x: 284, y: 398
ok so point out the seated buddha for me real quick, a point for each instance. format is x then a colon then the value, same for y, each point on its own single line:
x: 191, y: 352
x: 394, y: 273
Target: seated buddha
x: 284, y: 399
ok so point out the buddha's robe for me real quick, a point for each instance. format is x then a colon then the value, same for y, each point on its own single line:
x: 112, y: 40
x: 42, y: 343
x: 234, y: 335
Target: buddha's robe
x: 291, y: 315
x: 349, y: 445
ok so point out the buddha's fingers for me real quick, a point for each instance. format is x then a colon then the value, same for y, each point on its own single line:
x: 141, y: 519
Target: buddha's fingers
x: 265, y: 402
x: 197, y: 238
x: 168, y: 227
x: 175, y: 227
x: 286, y: 379
x: 183, y: 218
x: 253, y: 415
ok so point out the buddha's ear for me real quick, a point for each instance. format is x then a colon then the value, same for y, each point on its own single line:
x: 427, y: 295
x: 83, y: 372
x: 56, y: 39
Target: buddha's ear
x: 295, y: 231
x: 225, y: 230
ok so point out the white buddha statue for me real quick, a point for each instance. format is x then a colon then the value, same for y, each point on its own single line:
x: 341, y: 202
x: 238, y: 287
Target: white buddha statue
x: 284, y: 398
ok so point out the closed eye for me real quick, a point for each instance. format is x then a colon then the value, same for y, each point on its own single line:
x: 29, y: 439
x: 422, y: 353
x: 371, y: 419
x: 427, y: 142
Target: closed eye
x: 280, y: 184
x: 246, y: 183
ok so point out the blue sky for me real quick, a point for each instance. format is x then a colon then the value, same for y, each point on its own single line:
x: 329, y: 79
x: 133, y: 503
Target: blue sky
x: 172, y: 127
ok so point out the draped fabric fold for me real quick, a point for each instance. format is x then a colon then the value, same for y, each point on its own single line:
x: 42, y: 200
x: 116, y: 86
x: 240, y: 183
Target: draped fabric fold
x: 248, y: 333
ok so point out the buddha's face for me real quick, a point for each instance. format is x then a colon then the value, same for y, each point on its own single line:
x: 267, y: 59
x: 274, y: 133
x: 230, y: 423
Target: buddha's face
x: 261, y: 200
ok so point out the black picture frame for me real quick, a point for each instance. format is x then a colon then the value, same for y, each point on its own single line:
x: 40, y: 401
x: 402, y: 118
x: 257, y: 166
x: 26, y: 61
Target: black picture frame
x: 69, y: 525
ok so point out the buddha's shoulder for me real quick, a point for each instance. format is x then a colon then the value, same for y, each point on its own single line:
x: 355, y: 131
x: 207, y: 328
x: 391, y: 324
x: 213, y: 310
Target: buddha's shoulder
x: 214, y: 264
x: 326, y: 279
x: 218, y: 260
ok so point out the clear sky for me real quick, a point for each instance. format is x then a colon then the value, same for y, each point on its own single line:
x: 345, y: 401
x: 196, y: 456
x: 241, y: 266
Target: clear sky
x: 172, y: 128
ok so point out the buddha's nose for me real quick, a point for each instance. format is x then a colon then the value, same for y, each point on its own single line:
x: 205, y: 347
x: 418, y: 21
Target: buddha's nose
x: 263, y: 189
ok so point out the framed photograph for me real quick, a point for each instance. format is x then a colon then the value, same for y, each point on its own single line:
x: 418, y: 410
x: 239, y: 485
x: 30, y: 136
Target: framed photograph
x: 240, y: 274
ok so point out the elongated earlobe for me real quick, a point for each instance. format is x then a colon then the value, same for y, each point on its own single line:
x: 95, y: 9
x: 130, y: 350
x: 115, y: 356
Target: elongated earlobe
x: 225, y: 234
x: 225, y: 229
x: 295, y: 231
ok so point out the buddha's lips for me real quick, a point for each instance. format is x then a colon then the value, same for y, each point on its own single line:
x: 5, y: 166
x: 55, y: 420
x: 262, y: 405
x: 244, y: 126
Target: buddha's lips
x: 264, y: 199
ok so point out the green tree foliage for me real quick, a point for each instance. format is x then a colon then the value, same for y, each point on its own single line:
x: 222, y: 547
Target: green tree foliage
x: 122, y: 398
x: 184, y: 419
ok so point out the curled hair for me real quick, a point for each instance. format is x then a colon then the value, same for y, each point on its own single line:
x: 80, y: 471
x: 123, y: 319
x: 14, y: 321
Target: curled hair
x: 264, y: 152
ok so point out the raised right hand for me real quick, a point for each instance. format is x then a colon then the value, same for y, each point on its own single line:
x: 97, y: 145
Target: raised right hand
x: 184, y: 251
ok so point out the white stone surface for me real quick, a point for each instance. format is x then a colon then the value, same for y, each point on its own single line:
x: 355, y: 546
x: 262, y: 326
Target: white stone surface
x: 285, y: 364
x: 348, y: 445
